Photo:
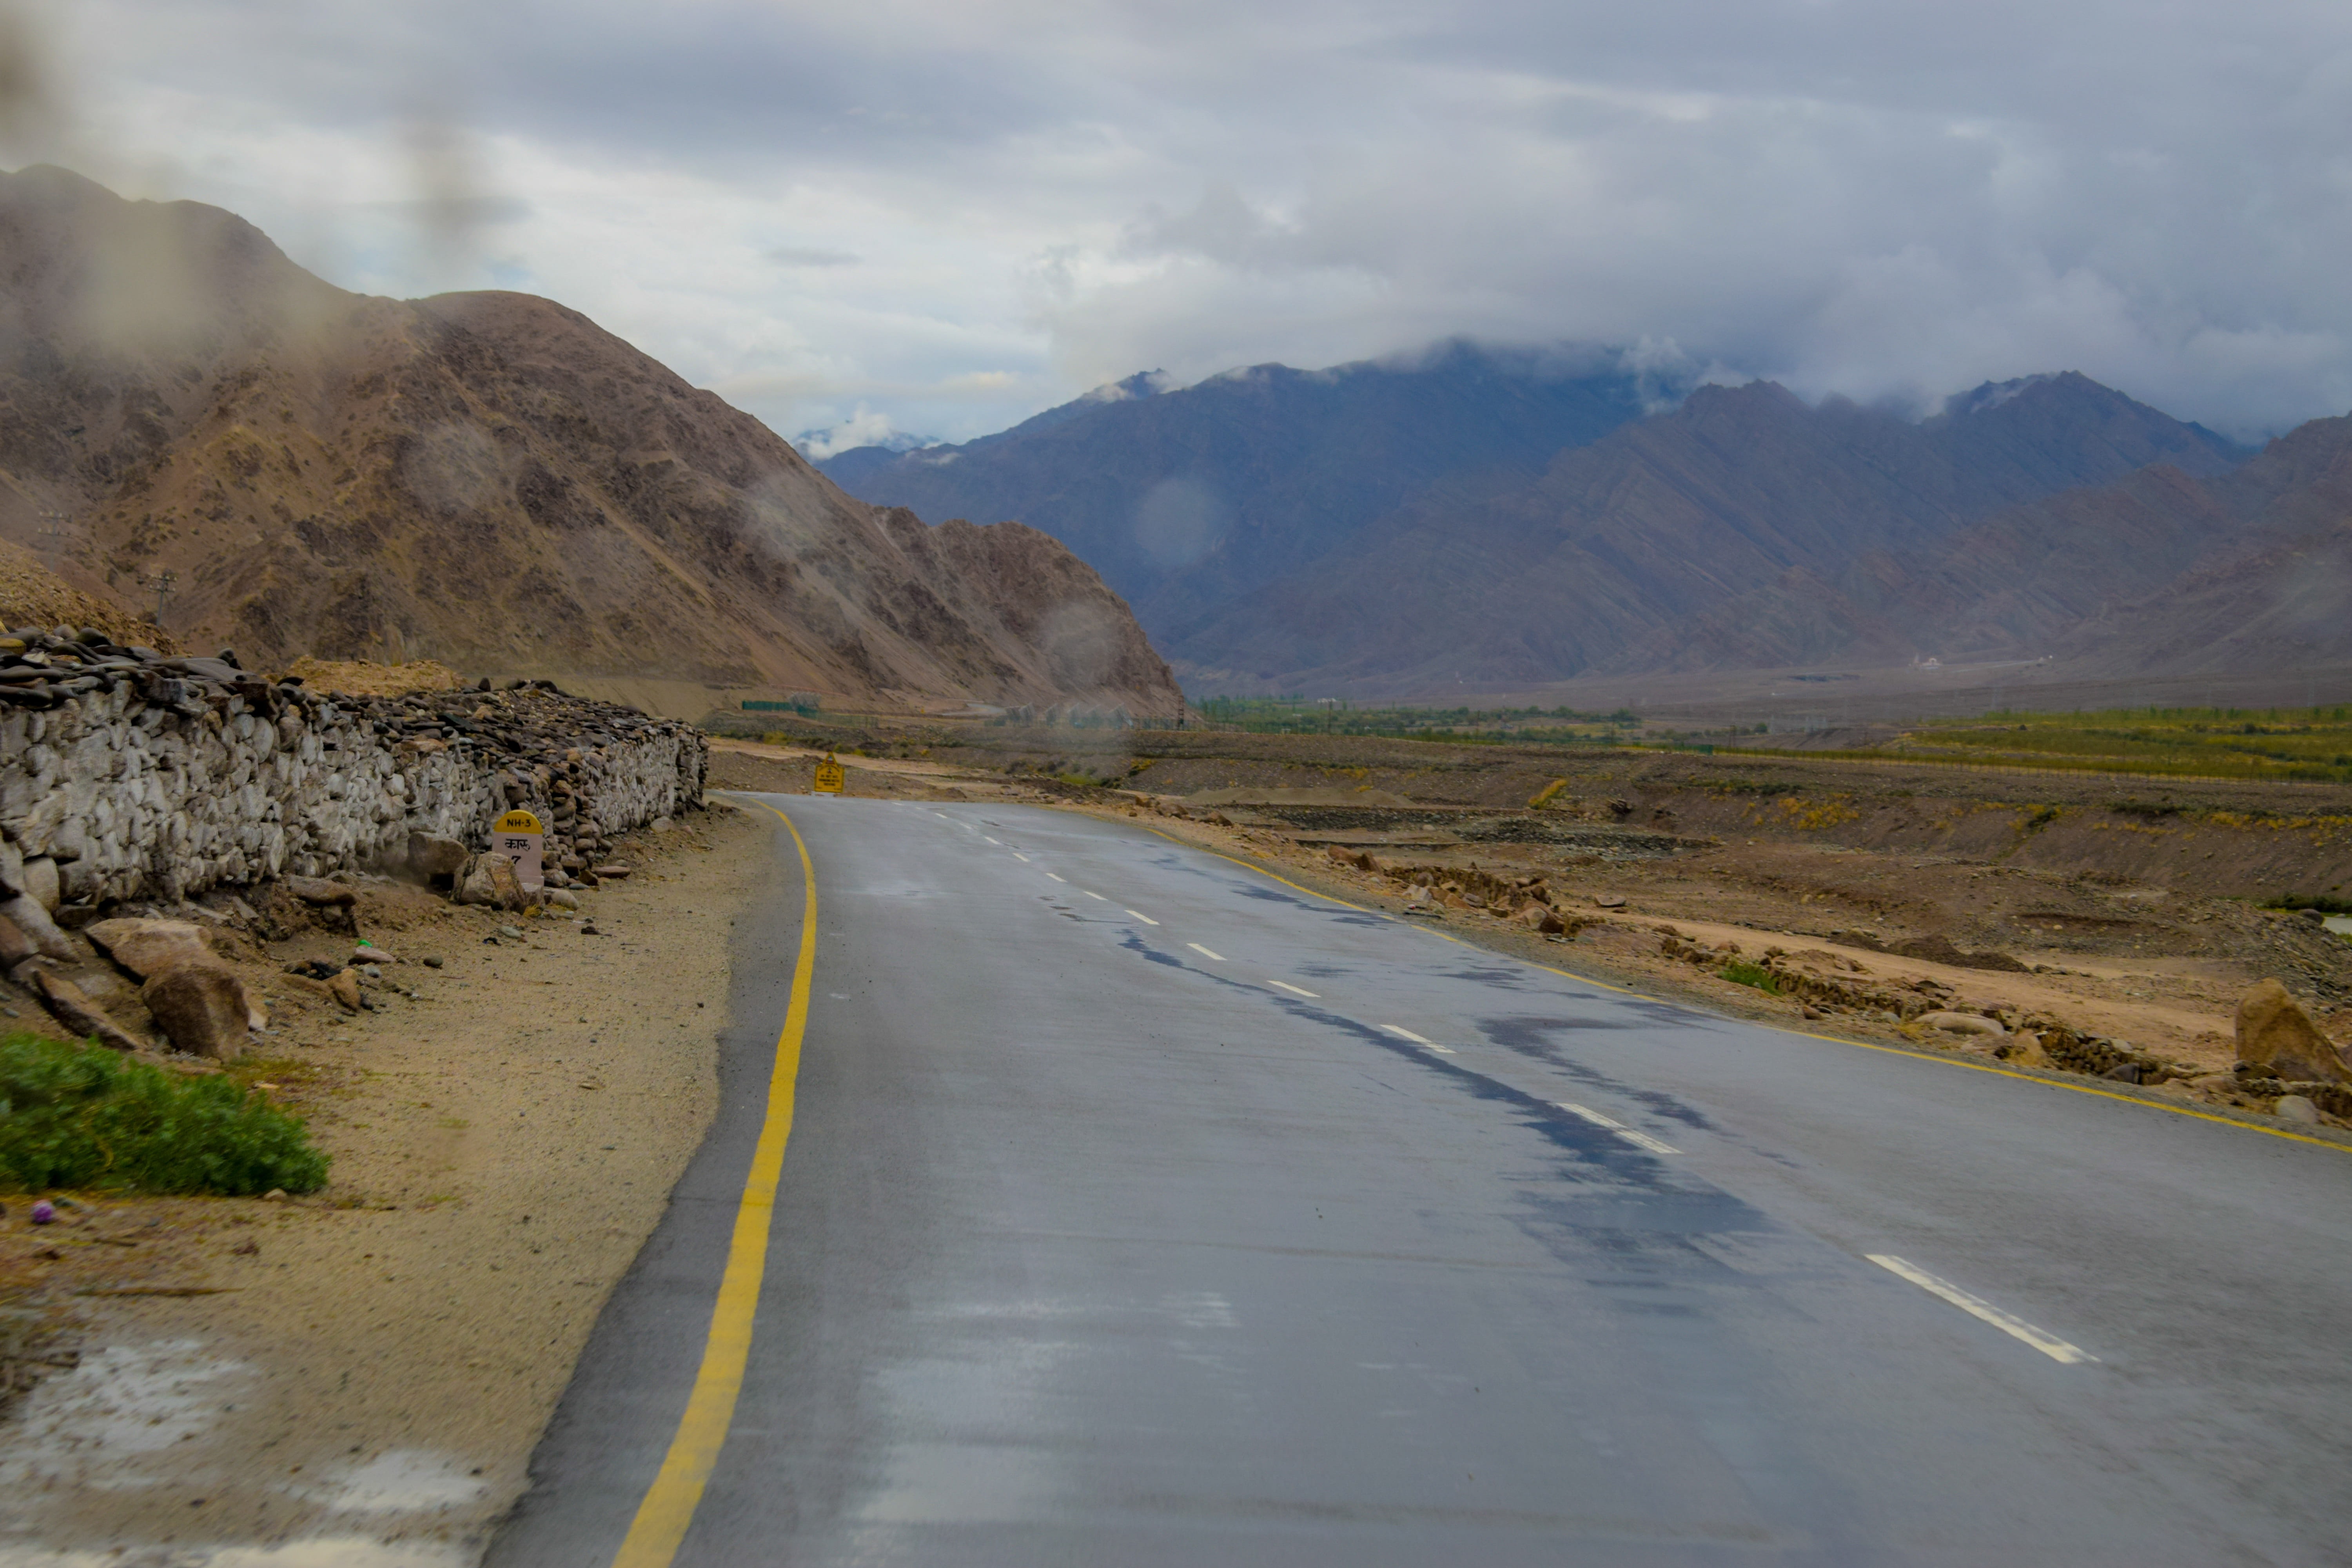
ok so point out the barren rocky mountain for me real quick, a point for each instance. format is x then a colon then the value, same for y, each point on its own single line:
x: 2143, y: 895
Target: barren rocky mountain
x: 1473, y: 521
x: 1188, y: 499
x: 2165, y: 573
x: 1700, y: 538
x: 488, y: 478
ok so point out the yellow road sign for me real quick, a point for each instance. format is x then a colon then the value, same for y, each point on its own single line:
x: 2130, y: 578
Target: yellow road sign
x: 519, y: 822
x: 829, y: 776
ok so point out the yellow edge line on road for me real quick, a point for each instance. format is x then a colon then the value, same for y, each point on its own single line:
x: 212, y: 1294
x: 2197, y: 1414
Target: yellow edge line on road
x: 1808, y: 1034
x: 670, y: 1501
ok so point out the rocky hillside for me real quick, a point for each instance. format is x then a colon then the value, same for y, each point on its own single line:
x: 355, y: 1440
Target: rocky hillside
x: 2165, y: 573
x: 1188, y: 499
x: 31, y: 595
x: 488, y: 480
x: 1476, y: 519
x: 1697, y: 539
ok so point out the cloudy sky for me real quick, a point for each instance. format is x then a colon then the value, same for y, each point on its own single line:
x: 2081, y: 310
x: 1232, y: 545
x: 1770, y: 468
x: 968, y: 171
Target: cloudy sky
x: 940, y: 215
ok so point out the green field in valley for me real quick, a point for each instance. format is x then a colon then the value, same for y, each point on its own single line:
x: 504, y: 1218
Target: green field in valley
x: 2296, y: 744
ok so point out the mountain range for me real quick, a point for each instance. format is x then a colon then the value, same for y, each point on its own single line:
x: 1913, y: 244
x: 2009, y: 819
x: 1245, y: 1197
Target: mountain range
x: 1188, y: 499
x: 485, y: 478
x: 1582, y: 529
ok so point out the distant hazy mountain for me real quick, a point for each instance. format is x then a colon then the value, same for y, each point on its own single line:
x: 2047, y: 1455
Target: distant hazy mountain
x: 1745, y: 529
x: 816, y: 444
x: 1481, y: 518
x: 1187, y: 500
x: 2245, y: 571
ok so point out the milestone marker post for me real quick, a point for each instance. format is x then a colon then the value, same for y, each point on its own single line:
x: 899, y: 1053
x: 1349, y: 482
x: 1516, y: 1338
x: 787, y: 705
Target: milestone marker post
x: 517, y: 836
x: 830, y: 777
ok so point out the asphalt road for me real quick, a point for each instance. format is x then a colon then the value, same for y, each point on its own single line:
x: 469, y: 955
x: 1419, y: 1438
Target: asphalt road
x: 1140, y: 1209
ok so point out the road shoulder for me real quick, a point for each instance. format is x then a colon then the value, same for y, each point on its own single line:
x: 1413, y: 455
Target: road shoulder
x: 374, y: 1363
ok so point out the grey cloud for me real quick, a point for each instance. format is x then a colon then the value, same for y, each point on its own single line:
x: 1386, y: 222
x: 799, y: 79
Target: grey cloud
x: 1886, y: 200
x: 806, y: 256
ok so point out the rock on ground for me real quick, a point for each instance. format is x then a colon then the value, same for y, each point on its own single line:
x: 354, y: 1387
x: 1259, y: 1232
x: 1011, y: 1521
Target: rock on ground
x: 490, y: 879
x: 77, y: 1012
x: 1962, y: 1023
x: 2276, y: 1034
x: 26, y: 914
x: 202, y: 1008
x: 148, y: 947
x: 322, y: 893
x: 435, y: 859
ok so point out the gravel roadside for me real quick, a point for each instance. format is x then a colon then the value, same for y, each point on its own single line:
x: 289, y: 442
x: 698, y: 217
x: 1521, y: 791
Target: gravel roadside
x: 365, y: 1376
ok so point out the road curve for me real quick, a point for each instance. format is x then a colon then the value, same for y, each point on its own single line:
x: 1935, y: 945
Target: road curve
x: 1139, y: 1208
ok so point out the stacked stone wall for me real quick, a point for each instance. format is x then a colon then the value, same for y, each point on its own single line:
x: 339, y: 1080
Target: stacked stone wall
x: 145, y: 777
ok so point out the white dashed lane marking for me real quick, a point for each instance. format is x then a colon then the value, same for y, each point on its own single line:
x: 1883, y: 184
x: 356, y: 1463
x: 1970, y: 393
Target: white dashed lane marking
x: 1205, y: 952
x: 1641, y: 1140
x: 2049, y: 1345
x: 1402, y: 1033
x: 1147, y: 920
x: 1020, y: 857
x: 1634, y: 1135
x: 1299, y: 990
x: 993, y: 841
x: 1097, y: 897
x: 1061, y: 879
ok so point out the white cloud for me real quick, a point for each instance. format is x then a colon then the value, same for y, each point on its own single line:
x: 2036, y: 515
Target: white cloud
x: 952, y: 215
x: 864, y: 429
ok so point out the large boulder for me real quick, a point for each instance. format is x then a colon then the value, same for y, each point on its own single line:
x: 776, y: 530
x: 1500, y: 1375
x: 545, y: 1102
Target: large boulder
x: 2276, y: 1036
x: 1960, y: 1022
x: 202, y: 1008
x: 147, y: 948
x: 14, y: 945
x: 37, y: 878
x: 26, y: 914
x: 435, y: 859
x: 490, y: 879
x: 320, y: 893
x: 77, y: 1012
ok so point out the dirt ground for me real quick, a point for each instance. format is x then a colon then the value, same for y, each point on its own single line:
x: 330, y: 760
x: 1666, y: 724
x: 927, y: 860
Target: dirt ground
x: 370, y: 1366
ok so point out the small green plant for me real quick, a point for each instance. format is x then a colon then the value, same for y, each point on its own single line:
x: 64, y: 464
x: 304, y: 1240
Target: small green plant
x: 1741, y: 973
x: 81, y: 1116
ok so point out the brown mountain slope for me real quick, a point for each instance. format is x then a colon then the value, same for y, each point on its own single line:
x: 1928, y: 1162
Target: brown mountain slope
x: 1622, y: 556
x: 488, y: 480
x: 33, y: 596
x: 2240, y: 573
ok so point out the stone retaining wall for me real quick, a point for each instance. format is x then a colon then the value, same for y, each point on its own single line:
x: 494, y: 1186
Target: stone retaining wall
x: 146, y: 777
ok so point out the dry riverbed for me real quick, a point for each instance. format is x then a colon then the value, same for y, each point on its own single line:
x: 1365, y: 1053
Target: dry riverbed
x: 359, y: 1375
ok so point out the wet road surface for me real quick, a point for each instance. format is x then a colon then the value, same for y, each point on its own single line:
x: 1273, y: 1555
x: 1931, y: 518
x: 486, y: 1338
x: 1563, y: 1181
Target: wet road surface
x: 1140, y: 1209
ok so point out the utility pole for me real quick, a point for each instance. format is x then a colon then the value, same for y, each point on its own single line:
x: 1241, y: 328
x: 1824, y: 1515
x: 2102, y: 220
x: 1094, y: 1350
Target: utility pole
x: 162, y: 586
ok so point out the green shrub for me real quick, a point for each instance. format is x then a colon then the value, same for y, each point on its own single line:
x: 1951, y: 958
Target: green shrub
x: 2324, y: 905
x: 81, y: 1116
x: 1743, y: 973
